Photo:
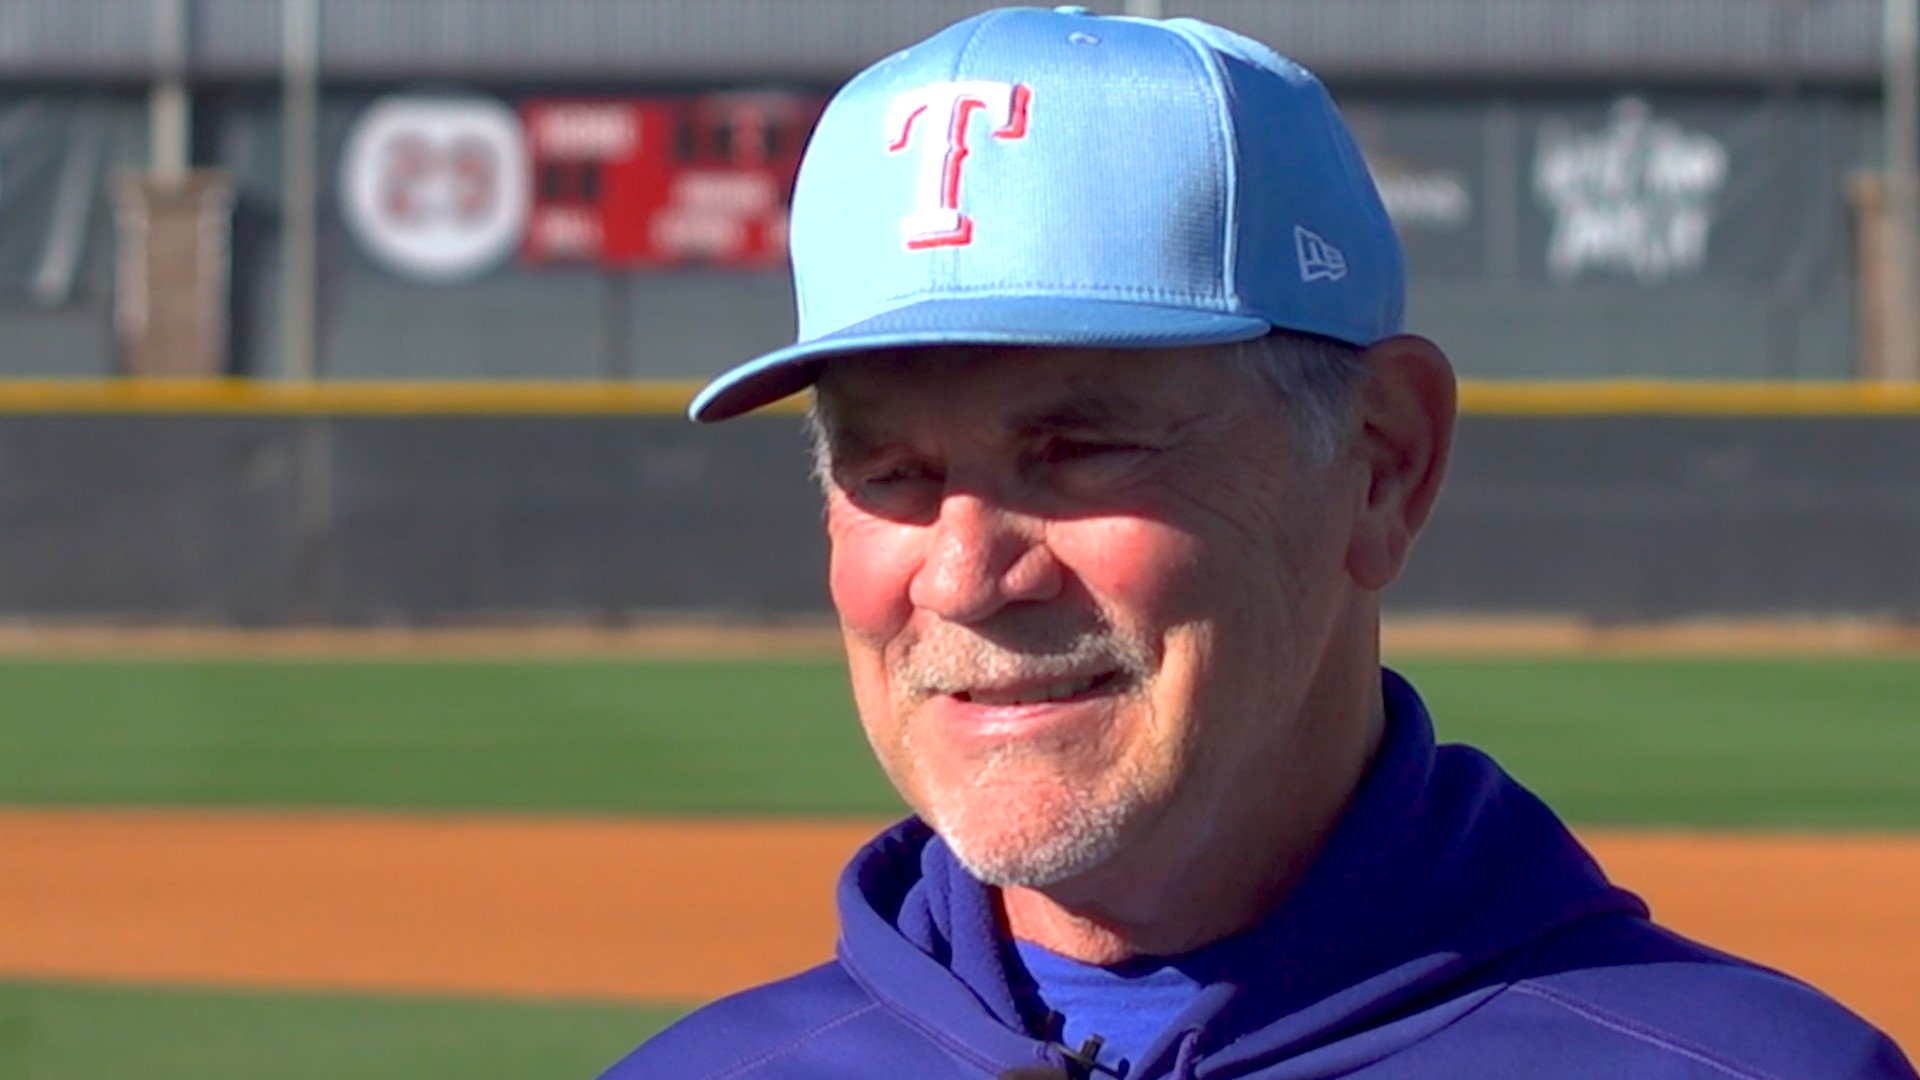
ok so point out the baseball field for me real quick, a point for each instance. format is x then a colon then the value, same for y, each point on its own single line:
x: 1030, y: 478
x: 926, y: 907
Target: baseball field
x: 481, y: 862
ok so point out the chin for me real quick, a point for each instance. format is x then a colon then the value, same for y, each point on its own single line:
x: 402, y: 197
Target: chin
x: 1008, y: 842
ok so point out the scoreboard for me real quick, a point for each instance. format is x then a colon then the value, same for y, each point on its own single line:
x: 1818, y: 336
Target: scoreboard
x: 639, y: 183
x: 623, y: 183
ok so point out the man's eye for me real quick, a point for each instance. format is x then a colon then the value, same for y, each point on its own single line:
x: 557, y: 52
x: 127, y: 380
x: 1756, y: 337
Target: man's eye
x: 892, y: 489
x: 1070, y: 450
x: 895, y: 477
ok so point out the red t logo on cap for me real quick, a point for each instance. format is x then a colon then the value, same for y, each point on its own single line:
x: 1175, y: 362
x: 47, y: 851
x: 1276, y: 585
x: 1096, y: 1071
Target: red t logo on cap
x: 937, y: 221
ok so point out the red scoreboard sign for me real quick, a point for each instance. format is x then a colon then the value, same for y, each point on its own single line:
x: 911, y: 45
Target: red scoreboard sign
x: 663, y: 181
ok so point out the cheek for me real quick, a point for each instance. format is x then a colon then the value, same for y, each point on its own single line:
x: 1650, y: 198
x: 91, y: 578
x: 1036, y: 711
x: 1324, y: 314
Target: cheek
x: 869, y: 574
x: 1195, y: 594
x: 1141, y: 571
x: 869, y: 569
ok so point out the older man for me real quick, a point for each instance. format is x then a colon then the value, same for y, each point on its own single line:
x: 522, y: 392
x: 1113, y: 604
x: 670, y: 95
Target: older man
x: 1121, y: 441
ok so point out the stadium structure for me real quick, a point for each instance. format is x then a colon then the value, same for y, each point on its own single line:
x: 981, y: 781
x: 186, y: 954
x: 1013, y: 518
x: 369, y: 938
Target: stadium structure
x: 511, y: 221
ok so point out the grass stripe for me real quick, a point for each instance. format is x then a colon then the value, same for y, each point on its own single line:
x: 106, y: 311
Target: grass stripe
x: 1777, y: 743
x: 59, y: 1031
x: 658, y: 737
x: 1828, y: 742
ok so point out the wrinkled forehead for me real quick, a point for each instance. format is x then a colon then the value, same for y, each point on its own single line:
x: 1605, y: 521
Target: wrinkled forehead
x: 1013, y: 389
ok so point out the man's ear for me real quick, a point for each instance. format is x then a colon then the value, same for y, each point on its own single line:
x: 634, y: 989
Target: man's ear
x: 1406, y: 433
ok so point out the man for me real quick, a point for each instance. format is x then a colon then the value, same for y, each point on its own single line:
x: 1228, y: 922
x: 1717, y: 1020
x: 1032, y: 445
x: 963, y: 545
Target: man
x: 1121, y: 440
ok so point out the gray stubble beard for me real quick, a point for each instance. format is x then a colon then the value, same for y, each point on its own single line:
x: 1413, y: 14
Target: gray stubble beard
x: 1087, y: 826
x: 1084, y: 834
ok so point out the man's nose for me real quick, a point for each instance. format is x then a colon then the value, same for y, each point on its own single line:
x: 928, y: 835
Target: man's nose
x: 981, y: 557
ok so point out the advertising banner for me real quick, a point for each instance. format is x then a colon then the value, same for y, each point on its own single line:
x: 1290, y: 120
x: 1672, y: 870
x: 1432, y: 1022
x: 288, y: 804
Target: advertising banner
x: 1430, y: 164
x: 1661, y: 192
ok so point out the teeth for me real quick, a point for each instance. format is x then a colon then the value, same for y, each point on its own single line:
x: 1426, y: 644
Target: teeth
x: 1058, y: 691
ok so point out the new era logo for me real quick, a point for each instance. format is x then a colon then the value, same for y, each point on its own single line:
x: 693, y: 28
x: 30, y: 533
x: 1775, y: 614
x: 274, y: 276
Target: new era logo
x: 1319, y: 260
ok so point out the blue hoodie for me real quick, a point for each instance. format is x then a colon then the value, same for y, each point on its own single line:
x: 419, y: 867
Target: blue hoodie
x: 1452, y: 928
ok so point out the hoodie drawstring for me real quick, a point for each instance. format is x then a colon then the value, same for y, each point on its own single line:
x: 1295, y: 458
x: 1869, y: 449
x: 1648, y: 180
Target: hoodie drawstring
x: 1084, y: 1063
x: 1081, y: 1064
x: 1187, y: 1062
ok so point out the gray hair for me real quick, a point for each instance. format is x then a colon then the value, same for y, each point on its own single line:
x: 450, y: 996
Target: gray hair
x: 1316, y: 381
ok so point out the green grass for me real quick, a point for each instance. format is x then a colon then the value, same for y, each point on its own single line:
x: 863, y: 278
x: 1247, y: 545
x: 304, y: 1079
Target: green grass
x: 614, y: 736
x: 1673, y: 742
x: 1762, y: 742
x: 1827, y: 742
x: 61, y: 1032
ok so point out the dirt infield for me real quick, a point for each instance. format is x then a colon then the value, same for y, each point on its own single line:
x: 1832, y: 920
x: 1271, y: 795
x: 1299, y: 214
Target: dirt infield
x: 680, y: 636
x: 687, y: 911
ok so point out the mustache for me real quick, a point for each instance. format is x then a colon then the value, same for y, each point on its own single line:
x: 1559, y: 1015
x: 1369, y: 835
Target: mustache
x: 950, y: 657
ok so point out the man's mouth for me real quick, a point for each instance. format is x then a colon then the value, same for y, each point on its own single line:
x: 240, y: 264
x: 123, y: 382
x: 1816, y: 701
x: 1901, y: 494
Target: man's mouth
x: 1038, y: 693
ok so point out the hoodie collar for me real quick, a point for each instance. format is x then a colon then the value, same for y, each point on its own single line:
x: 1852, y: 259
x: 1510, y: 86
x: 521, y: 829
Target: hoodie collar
x: 1441, y: 866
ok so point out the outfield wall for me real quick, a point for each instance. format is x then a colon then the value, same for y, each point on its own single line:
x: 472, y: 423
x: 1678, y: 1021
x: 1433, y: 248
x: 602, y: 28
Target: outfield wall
x: 355, y: 514
x: 1633, y: 518
x: 1569, y: 226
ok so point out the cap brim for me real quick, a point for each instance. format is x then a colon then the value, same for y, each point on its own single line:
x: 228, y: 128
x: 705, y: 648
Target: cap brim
x: 999, y: 320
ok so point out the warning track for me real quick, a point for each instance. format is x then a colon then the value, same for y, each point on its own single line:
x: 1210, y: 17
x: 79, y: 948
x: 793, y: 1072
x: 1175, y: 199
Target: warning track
x: 685, y: 911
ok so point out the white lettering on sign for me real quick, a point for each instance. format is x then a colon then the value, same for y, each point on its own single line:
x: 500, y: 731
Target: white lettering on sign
x: 568, y: 232
x: 710, y: 213
x: 937, y: 220
x: 1438, y: 199
x: 738, y: 193
x: 1636, y: 197
x: 436, y: 188
x: 696, y: 234
x: 585, y: 131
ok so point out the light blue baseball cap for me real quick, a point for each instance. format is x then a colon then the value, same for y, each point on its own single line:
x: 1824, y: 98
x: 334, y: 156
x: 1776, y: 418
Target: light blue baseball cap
x: 1058, y: 178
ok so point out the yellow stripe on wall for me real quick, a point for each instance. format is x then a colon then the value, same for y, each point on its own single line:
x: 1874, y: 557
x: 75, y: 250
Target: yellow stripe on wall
x: 258, y: 397
x: 582, y: 398
x: 1667, y: 397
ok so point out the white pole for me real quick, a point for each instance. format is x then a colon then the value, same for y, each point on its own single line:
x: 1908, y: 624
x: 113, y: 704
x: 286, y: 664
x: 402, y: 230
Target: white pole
x: 300, y: 194
x: 169, y: 115
x: 300, y: 212
x: 1900, y: 310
